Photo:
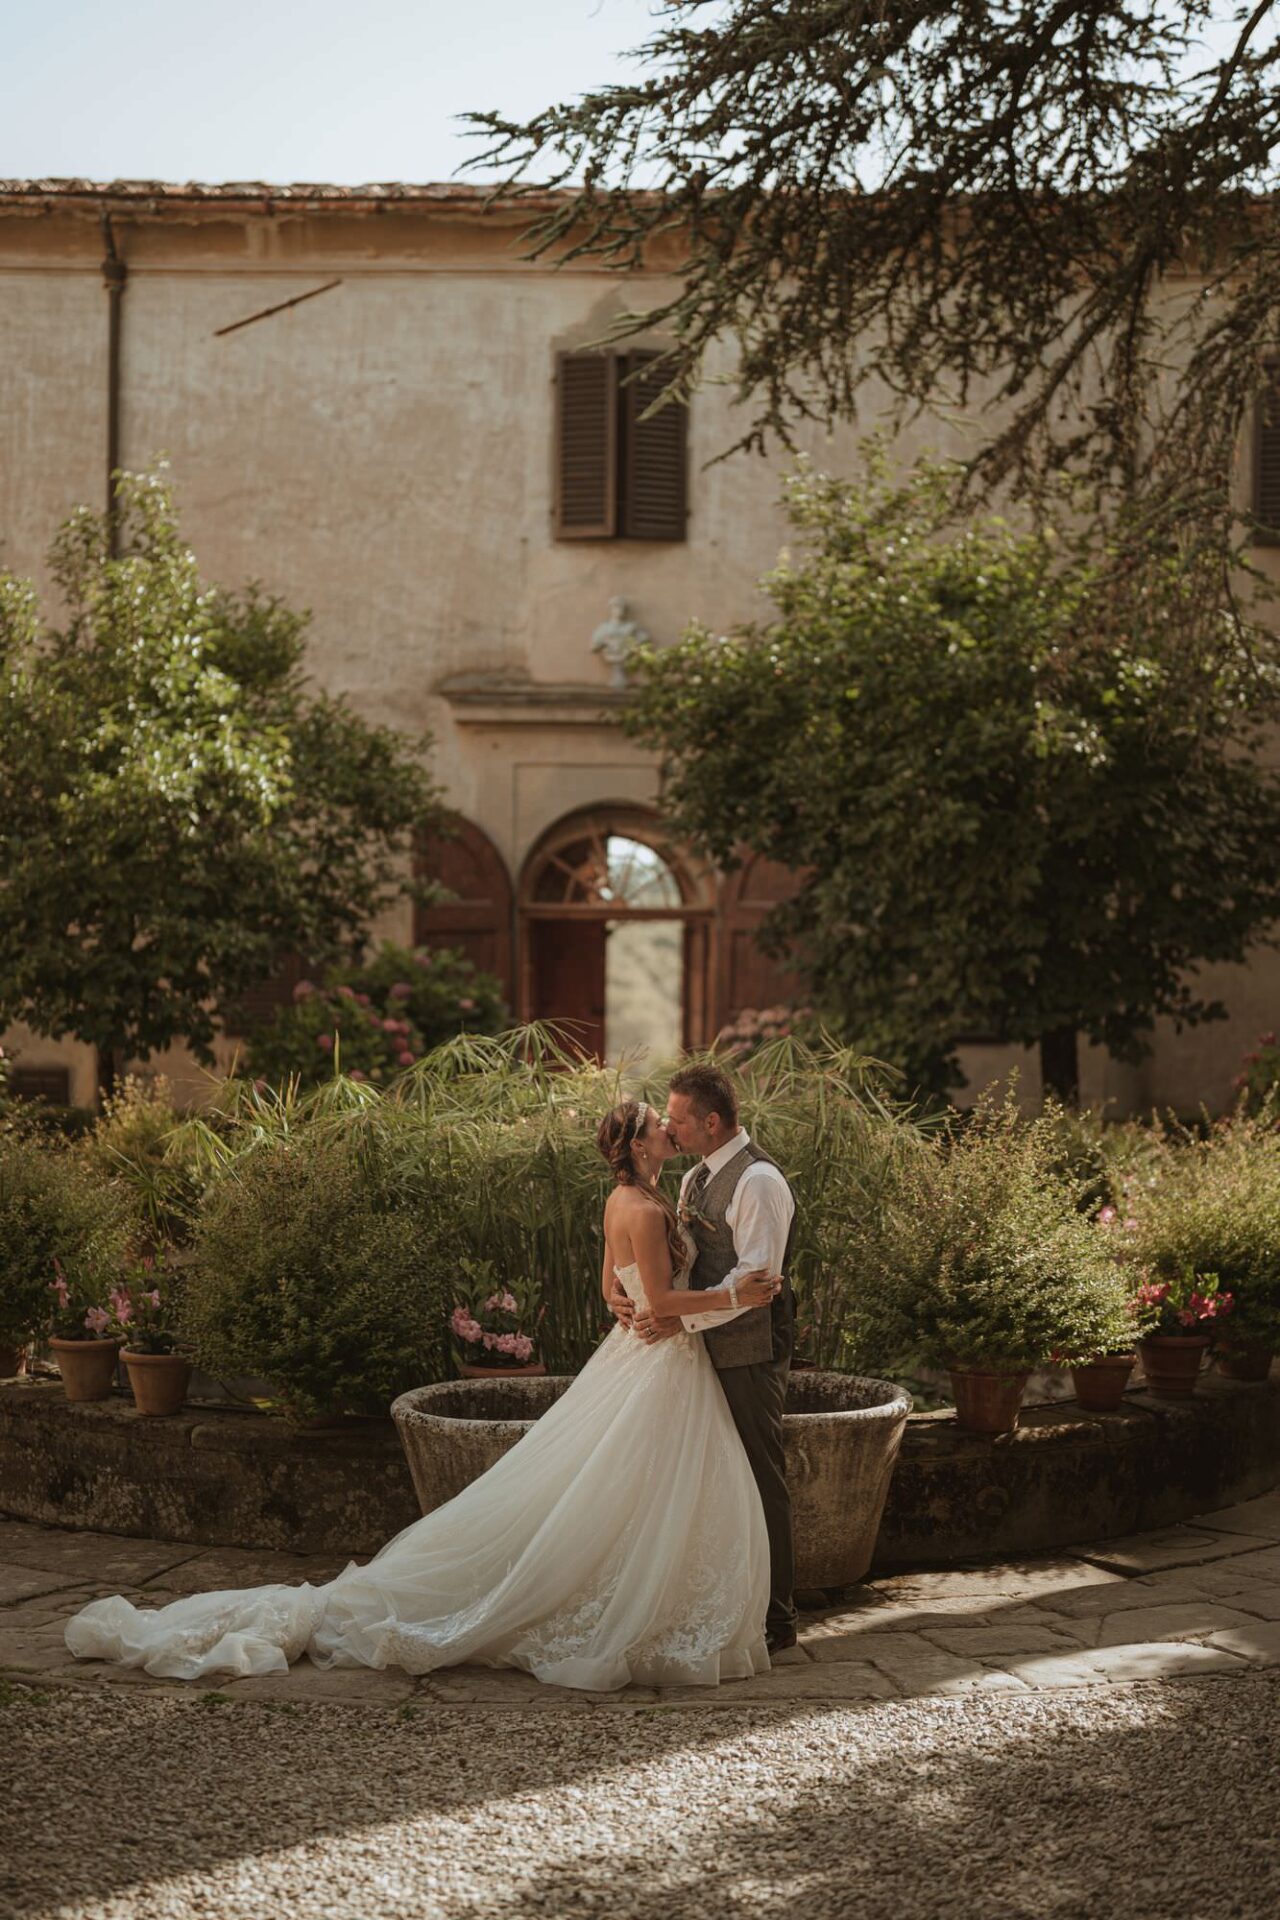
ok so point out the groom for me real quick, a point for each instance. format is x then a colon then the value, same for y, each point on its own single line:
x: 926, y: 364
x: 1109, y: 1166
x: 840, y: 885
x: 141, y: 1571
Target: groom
x: 741, y: 1213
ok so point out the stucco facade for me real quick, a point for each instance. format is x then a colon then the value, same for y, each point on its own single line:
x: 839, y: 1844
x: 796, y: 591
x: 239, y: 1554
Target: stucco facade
x: 382, y: 454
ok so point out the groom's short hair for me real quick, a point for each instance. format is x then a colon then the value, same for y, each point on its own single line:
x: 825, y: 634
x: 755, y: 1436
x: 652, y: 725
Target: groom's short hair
x: 708, y: 1090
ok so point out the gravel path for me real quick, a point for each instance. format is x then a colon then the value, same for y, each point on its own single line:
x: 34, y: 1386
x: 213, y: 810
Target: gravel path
x: 1152, y: 1801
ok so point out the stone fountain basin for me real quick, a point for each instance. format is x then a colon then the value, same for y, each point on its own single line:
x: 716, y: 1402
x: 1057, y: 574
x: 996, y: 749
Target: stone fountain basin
x: 841, y: 1432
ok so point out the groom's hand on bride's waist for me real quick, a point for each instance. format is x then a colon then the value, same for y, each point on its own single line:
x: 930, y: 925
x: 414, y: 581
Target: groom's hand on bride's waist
x: 651, y: 1328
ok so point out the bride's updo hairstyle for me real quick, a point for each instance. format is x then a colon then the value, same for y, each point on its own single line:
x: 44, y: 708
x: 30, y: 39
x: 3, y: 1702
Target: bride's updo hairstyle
x: 616, y: 1137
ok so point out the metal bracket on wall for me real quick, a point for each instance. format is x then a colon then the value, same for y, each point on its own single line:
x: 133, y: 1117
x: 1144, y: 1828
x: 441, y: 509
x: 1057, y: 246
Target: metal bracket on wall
x: 280, y: 307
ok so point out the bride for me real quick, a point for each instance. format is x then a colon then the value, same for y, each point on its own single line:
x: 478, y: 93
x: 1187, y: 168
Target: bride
x: 621, y: 1540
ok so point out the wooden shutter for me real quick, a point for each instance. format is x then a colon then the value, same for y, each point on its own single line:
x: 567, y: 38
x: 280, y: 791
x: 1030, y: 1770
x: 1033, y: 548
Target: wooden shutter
x: 586, y: 446
x: 1266, y: 460
x: 654, y: 460
x: 478, y: 918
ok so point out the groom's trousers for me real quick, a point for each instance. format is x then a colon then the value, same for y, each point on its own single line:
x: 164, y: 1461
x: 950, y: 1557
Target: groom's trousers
x: 757, y: 1394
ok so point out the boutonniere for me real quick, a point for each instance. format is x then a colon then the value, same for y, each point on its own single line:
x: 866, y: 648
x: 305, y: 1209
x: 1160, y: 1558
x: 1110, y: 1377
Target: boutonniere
x: 690, y: 1217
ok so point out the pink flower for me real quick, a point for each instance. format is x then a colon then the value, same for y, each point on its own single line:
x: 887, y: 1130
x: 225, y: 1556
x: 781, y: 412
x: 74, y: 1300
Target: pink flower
x: 347, y: 993
x: 121, y: 1305
x: 466, y: 1327
x: 154, y: 1296
x: 304, y: 990
x: 97, y: 1320
x: 358, y: 1073
x: 325, y: 1042
x: 422, y: 959
x: 1131, y: 1225
x: 466, y: 1004
x: 60, y: 1287
x: 362, y: 1000
x: 404, y: 1058
x: 391, y: 1026
x: 401, y: 991
x: 1106, y: 1216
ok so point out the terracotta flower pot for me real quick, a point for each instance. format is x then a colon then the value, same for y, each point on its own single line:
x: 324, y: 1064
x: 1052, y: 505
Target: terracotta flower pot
x: 88, y: 1367
x: 987, y: 1401
x: 159, y: 1380
x: 1100, y: 1383
x: 1171, y: 1362
x: 1246, y: 1363
x: 12, y: 1362
x: 469, y: 1372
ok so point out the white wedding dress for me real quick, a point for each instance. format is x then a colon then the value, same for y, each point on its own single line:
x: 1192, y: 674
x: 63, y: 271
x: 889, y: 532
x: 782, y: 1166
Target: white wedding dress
x: 622, y: 1539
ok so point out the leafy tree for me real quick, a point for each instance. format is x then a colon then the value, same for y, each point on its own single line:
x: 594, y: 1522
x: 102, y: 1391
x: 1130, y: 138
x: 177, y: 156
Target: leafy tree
x: 178, y: 810
x: 958, y: 205
x: 1001, y: 825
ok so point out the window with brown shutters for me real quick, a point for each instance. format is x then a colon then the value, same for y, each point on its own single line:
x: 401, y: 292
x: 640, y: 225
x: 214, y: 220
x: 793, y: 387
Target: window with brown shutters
x: 1266, y: 460
x: 618, y: 476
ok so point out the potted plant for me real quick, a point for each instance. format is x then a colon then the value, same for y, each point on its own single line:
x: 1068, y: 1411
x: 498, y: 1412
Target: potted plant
x: 1177, y: 1318
x: 980, y: 1259
x: 82, y: 1340
x: 491, y: 1325
x: 142, y: 1310
x: 1209, y: 1205
x: 61, y: 1227
x: 1100, y: 1375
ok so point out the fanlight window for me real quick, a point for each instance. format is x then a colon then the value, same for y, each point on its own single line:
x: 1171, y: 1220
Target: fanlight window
x: 608, y: 870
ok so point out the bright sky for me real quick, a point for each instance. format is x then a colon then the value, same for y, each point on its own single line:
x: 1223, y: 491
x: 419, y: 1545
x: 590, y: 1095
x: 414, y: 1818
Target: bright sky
x: 264, y: 90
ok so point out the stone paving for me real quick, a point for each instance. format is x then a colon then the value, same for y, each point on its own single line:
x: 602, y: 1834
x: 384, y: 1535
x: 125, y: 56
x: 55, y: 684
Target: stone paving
x: 1189, y: 1600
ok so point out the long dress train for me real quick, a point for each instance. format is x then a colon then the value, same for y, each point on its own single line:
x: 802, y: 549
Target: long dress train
x: 622, y: 1539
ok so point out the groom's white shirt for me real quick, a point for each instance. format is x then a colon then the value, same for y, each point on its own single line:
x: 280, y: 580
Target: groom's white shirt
x: 758, y: 1216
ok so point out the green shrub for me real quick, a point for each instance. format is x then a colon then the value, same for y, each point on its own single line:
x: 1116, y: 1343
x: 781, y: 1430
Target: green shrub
x: 139, y: 1141
x: 53, y: 1207
x: 376, y: 1019
x: 1210, y: 1205
x: 318, y: 1267
x: 978, y: 1251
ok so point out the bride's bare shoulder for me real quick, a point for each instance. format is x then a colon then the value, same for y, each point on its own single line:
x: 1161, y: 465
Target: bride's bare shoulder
x: 622, y: 1203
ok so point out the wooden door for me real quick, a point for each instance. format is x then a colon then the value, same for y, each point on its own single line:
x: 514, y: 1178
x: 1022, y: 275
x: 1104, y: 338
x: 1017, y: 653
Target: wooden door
x: 568, y: 985
x: 478, y: 916
x: 750, y: 977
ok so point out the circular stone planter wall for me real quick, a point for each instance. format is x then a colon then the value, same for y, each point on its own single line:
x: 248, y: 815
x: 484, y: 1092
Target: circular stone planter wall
x: 217, y: 1476
x: 841, y: 1432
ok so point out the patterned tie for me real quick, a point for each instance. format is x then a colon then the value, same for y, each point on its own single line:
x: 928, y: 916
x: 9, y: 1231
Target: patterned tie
x: 698, y: 1184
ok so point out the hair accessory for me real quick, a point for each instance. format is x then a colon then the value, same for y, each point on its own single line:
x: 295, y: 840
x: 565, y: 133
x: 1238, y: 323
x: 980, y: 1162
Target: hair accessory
x: 642, y: 1114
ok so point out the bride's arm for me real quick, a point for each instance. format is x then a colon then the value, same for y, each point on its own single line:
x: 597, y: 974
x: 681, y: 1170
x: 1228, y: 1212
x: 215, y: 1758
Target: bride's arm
x: 653, y: 1255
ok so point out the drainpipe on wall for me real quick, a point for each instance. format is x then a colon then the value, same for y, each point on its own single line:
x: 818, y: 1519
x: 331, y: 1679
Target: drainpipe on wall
x: 114, y: 275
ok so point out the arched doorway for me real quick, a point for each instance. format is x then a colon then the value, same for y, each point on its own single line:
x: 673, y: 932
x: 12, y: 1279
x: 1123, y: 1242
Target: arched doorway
x: 478, y: 917
x: 615, y: 935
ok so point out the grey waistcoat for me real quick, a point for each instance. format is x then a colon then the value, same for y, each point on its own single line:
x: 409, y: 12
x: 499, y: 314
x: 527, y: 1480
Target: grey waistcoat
x: 762, y: 1333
